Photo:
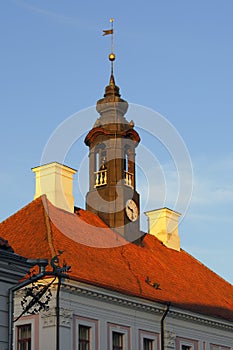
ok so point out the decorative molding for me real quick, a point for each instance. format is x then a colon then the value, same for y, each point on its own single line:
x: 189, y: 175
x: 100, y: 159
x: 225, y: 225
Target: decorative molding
x: 121, y: 301
x: 49, y: 318
x: 66, y: 317
x: 170, y: 338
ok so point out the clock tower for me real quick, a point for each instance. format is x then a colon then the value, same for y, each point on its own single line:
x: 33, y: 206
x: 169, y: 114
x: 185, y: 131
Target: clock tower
x: 112, y: 180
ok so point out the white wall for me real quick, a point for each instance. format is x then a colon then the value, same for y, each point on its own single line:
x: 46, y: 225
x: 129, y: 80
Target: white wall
x: 105, y: 311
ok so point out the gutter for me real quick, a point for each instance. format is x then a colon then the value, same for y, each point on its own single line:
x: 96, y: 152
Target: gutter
x: 162, y: 326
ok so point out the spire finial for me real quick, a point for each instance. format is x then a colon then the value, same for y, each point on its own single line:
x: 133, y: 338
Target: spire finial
x: 111, y: 56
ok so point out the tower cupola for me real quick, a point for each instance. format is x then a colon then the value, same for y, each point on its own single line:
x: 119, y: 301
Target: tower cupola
x: 112, y: 107
x: 112, y: 180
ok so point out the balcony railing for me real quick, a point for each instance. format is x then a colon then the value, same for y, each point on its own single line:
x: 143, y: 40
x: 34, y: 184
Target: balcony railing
x: 100, y: 178
x: 129, y: 179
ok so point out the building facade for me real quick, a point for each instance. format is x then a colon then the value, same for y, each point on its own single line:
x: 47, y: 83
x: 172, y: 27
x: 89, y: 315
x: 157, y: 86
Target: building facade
x: 127, y: 289
x: 98, y: 319
x: 12, y: 268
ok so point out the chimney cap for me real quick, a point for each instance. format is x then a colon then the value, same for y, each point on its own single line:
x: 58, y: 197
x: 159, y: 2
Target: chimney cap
x: 50, y: 164
x: 162, y: 209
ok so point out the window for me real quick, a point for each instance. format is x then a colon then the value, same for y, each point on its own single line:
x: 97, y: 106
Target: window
x: 128, y: 167
x: 148, y: 340
x: 117, y: 341
x: 186, y: 347
x: 84, y: 338
x: 118, y: 337
x: 24, y: 337
x: 148, y: 344
x: 86, y: 335
x: 100, y: 157
x: 186, y: 344
x: 126, y: 161
x: 100, y: 173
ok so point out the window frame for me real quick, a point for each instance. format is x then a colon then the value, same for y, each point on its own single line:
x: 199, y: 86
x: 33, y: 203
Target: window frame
x: 90, y: 323
x: 121, y: 346
x: 85, y: 341
x: 24, y: 340
x: 150, y: 343
x: 186, y: 347
x: 191, y: 343
x: 26, y: 320
x: 124, y: 330
x: 143, y: 334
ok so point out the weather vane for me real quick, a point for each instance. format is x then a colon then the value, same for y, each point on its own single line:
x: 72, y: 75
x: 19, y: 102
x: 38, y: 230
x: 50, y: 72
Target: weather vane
x: 111, y: 32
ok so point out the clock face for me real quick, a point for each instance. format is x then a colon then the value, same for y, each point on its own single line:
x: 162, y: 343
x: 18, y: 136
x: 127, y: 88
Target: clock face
x: 131, y: 210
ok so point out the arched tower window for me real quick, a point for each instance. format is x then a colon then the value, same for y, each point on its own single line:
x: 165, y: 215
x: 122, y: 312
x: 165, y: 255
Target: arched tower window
x: 128, y: 167
x: 100, y: 166
x: 126, y: 161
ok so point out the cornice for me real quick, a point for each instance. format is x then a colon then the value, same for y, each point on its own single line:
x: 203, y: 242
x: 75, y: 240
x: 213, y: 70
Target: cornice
x: 146, y: 307
x: 201, y: 320
x: 96, y: 131
x: 121, y: 301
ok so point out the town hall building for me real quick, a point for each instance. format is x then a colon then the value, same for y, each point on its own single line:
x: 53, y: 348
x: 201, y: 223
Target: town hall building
x: 107, y: 284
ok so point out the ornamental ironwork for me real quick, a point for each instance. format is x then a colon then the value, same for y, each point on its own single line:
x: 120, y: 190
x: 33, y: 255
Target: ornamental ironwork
x: 38, y: 294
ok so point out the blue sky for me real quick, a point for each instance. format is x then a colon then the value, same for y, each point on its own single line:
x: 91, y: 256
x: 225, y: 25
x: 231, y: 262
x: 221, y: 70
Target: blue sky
x: 174, y: 57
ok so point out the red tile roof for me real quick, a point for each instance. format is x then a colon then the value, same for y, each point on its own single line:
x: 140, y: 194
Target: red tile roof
x: 101, y: 257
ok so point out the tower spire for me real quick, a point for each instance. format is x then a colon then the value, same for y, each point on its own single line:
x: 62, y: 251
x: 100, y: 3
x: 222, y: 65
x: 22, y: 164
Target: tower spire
x: 112, y: 55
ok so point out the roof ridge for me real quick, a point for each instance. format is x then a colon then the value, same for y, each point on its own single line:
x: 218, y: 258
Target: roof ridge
x: 17, y: 211
x: 207, y: 267
x: 47, y: 224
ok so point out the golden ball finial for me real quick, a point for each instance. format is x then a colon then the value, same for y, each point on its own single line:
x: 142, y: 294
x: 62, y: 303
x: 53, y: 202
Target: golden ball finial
x: 112, y: 57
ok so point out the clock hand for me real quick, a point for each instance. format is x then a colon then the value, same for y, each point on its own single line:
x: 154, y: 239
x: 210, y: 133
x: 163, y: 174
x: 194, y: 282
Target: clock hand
x: 131, y: 210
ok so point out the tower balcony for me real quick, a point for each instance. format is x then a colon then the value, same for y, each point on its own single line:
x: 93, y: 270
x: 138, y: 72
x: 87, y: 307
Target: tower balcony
x: 100, y: 178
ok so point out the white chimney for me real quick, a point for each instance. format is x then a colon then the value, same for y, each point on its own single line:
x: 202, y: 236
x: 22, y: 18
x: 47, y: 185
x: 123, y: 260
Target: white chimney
x: 163, y: 224
x: 56, y: 182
